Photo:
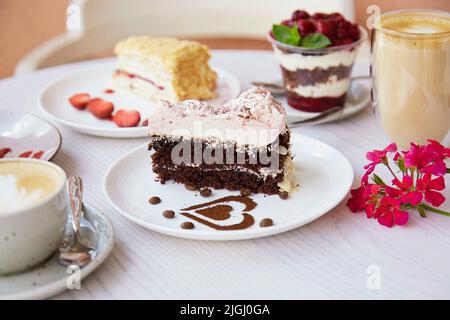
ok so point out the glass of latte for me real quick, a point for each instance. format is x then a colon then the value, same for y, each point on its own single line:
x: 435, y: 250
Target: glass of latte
x: 411, y: 75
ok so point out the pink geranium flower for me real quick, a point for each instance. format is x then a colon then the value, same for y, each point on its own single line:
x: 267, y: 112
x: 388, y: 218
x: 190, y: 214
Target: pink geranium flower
x: 427, y: 159
x: 360, y: 196
x: 430, y: 187
x: 389, y: 213
x: 417, y: 181
x: 376, y: 157
x: 405, y: 191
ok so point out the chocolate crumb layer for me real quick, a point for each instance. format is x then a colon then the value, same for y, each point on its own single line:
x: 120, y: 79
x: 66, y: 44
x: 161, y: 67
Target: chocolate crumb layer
x: 217, y: 176
x: 305, y: 77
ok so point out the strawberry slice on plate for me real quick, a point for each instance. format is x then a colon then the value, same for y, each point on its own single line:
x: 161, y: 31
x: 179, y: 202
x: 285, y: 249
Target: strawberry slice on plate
x: 127, y: 118
x: 80, y: 100
x: 100, y: 108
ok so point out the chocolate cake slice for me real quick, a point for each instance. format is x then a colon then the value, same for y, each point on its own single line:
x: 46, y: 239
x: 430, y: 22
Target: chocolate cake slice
x: 241, y: 144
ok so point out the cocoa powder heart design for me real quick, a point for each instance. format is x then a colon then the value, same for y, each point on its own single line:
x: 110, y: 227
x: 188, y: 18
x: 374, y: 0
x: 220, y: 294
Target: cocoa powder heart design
x: 220, y: 209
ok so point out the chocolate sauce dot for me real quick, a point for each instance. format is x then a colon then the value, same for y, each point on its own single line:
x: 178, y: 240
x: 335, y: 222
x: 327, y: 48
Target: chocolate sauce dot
x: 154, y: 200
x: 245, y: 192
x: 187, y: 225
x: 169, y: 214
x: 190, y: 187
x: 283, y: 195
x: 205, y: 192
x: 267, y: 222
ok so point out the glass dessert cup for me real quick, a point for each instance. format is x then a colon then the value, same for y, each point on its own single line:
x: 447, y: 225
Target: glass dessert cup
x: 317, y: 79
x: 410, y: 74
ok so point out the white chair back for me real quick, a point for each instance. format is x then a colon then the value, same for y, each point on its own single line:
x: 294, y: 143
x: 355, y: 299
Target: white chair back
x: 96, y: 25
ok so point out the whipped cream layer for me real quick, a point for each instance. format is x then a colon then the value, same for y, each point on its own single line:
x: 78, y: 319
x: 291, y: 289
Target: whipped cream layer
x: 148, y: 77
x: 254, y: 118
x: 296, y: 61
x: 332, y: 88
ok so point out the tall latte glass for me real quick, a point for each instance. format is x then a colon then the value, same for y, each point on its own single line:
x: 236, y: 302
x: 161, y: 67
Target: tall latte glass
x: 411, y: 75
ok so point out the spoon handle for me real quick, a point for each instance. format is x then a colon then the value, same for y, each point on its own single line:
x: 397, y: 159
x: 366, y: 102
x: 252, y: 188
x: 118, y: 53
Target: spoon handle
x: 75, y: 193
x: 316, y: 119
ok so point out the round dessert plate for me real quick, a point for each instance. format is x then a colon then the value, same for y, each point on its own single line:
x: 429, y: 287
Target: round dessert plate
x: 54, y: 100
x: 25, y: 135
x: 358, y: 98
x: 51, y: 278
x: 324, y: 176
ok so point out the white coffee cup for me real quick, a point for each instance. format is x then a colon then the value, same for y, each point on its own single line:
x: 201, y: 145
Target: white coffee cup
x: 33, y: 214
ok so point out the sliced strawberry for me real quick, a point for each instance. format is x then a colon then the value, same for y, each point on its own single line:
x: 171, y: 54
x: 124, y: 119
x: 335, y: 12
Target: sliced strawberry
x: 108, y: 91
x: 4, y: 151
x: 127, y: 118
x: 100, y: 108
x: 145, y: 123
x: 80, y: 100
x: 38, y: 154
x: 25, y: 154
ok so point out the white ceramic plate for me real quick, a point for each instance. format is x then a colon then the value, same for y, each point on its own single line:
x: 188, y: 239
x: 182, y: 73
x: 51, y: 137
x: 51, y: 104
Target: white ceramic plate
x: 325, y: 177
x: 358, y: 98
x: 25, y: 133
x: 51, y: 278
x: 55, y: 105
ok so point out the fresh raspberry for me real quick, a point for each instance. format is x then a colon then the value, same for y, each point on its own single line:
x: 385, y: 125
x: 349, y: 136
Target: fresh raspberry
x: 299, y: 14
x: 306, y: 27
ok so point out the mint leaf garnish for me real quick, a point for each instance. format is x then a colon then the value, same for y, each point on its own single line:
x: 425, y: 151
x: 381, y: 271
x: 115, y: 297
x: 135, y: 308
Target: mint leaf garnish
x: 315, y: 41
x: 286, y: 35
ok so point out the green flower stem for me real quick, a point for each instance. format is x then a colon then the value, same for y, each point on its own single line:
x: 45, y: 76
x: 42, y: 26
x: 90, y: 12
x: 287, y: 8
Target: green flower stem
x: 427, y: 207
x: 389, y: 167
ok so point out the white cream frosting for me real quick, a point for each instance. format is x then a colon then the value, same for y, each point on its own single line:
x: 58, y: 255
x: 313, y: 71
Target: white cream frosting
x: 150, y: 69
x: 332, y: 88
x: 12, y: 197
x: 295, y: 61
x: 254, y: 118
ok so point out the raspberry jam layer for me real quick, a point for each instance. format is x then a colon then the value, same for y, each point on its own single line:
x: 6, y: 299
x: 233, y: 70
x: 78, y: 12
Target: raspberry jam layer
x: 130, y: 75
x: 309, y: 104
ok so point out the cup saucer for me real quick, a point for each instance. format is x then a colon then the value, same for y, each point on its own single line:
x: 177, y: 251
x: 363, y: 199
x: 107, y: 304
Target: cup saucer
x: 51, y: 278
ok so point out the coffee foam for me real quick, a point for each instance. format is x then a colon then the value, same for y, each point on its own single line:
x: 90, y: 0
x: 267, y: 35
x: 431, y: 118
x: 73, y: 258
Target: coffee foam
x: 416, y: 23
x: 23, y: 184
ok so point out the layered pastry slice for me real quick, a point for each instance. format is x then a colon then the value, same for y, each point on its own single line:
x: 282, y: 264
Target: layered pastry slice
x: 241, y: 144
x: 164, y: 68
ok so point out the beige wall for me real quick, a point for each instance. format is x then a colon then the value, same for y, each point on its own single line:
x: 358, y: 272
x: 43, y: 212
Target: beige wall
x: 24, y: 24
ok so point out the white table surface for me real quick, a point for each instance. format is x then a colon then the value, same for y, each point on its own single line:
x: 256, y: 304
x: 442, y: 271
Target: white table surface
x: 326, y: 259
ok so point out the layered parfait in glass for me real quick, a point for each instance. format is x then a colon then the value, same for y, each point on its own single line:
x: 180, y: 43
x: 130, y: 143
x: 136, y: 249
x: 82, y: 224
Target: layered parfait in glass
x: 316, y: 55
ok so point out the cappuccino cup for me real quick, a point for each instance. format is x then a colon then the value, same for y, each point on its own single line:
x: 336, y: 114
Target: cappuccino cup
x: 33, y: 212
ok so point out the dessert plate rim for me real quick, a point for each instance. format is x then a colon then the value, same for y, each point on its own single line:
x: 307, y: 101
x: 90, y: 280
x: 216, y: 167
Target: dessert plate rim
x: 214, y: 235
x: 115, y: 132
x: 55, y: 286
x: 50, y: 152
